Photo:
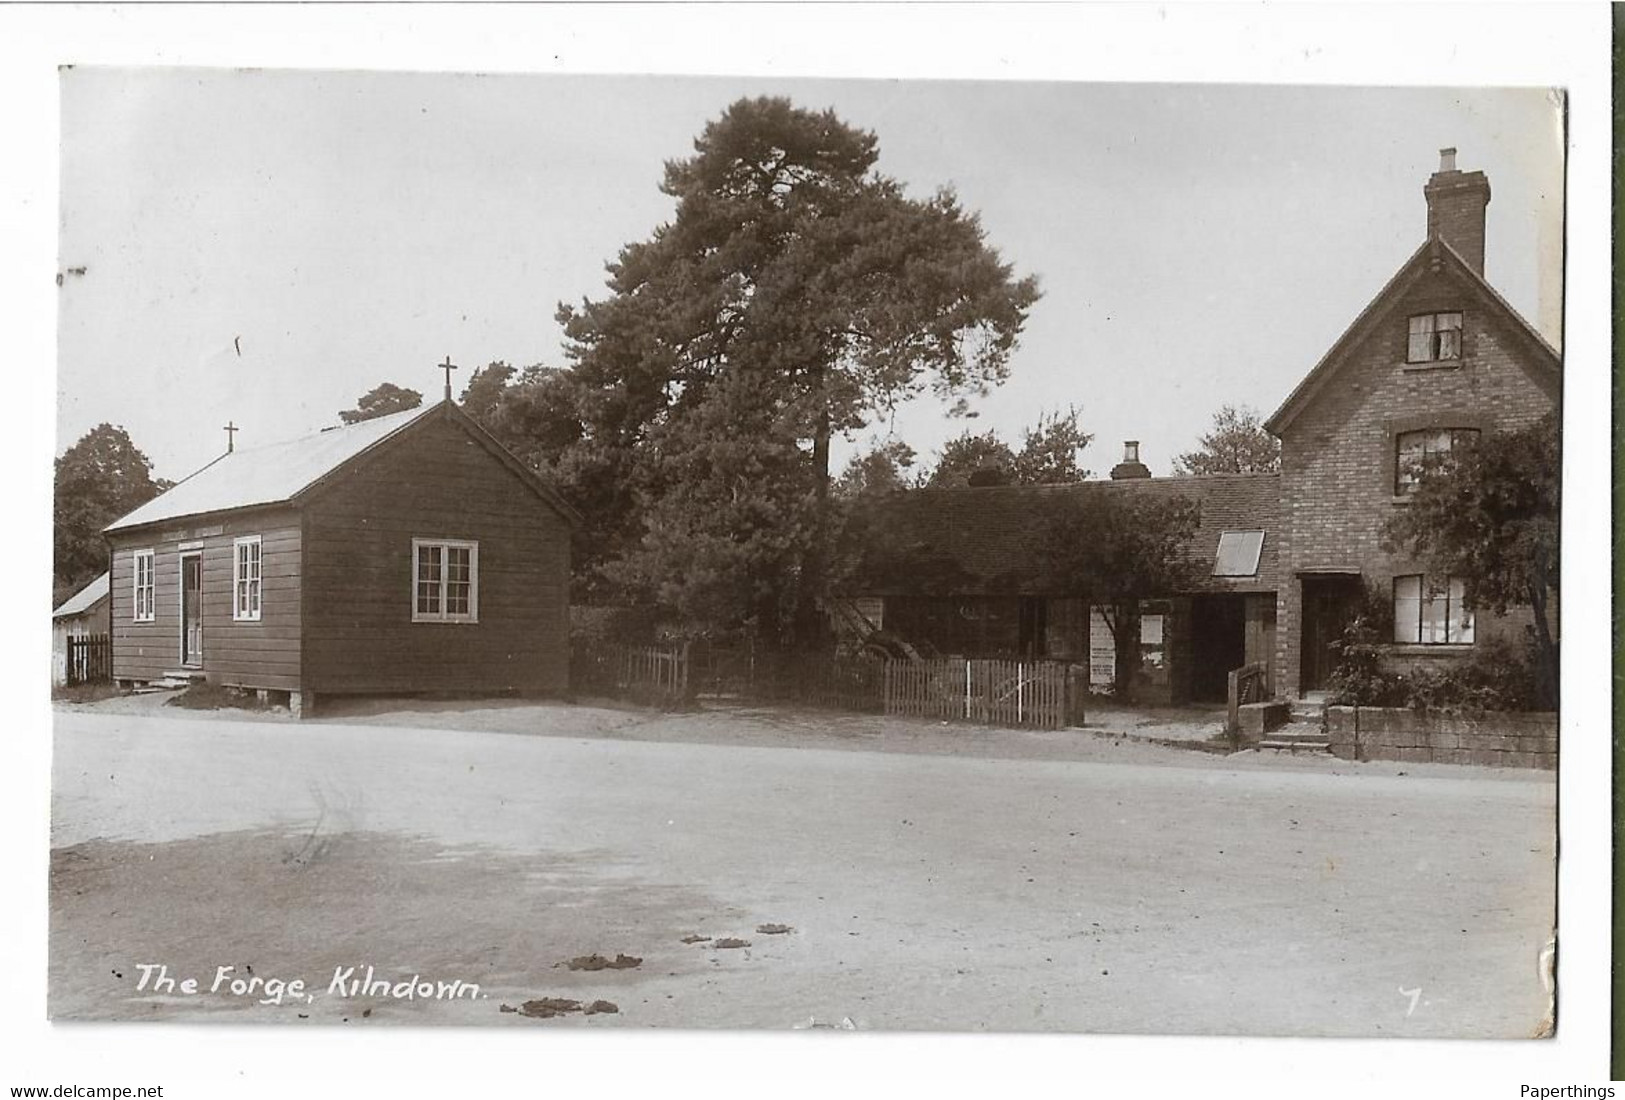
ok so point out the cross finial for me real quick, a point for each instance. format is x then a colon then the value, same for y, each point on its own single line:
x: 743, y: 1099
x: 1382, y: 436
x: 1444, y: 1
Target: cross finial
x: 231, y: 436
x: 448, y: 366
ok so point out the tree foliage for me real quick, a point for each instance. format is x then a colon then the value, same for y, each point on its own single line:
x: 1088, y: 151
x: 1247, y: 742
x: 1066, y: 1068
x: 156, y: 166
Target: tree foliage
x: 795, y: 293
x: 485, y: 390
x: 1048, y: 455
x: 382, y: 400
x: 1116, y: 547
x: 100, y: 478
x: 1236, y: 444
x: 883, y: 468
x: 1490, y: 515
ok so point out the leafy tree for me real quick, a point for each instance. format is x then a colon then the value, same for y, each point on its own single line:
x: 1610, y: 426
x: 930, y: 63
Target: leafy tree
x: 880, y: 470
x: 1490, y: 515
x: 1049, y: 451
x: 100, y: 478
x: 1048, y: 455
x: 966, y: 456
x: 485, y: 390
x: 381, y: 401
x: 1236, y: 444
x: 1113, y: 548
x: 801, y: 289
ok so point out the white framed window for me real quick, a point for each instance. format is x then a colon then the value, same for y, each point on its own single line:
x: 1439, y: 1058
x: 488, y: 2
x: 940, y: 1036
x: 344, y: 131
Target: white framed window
x: 141, y: 608
x: 1431, y: 614
x: 445, y: 581
x: 1414, y: 450
x: 245, y: 607
x: 1434, y: 338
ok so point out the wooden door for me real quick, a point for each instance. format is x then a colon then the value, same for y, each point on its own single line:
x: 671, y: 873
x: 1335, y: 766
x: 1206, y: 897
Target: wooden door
x: 1327, y: 609
x: 192, y: 610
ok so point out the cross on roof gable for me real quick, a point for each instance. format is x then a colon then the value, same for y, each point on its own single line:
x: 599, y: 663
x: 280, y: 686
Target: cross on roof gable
x: 278, y: 473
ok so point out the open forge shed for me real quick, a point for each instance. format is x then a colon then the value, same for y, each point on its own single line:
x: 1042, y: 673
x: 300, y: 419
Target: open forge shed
x: 963, y: 572
x: 408, y: 553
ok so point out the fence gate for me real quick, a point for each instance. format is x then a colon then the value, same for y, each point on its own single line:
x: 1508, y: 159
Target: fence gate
x: 90, y: 658
x: 1031, y: 694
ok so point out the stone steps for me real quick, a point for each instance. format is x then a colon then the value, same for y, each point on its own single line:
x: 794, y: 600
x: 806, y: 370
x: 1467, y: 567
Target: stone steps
x: 1298, y: 737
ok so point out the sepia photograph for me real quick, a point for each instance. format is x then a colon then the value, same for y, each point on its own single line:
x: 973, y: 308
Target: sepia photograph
x: 712, y: 553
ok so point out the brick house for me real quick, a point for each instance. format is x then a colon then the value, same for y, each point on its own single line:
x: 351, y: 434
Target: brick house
x: 1436, y: 358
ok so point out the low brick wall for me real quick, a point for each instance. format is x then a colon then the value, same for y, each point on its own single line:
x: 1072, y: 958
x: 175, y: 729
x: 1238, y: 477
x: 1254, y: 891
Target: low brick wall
x: 1396, y: 733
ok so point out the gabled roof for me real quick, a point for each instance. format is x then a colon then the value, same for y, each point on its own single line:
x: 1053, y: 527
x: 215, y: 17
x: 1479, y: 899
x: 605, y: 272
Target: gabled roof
x: 84, y: 599
x: 1433, y: 253
x: 279, y: 473
x: 992, y: 540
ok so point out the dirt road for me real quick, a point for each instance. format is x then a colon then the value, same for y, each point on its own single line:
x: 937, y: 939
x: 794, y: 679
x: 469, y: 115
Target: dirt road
x: 1106, y: 888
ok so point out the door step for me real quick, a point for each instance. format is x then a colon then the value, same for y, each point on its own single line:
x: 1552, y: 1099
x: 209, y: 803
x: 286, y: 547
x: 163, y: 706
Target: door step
x: 176, y: 678
x: 1297, y: 740
x: 1298, y: 737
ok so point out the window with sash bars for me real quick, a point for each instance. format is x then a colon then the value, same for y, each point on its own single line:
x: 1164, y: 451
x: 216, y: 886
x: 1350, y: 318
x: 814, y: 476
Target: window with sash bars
x: 1431, y: 613
x: 142, y: 608
x: 1434, y: 338
x: 1414, y: 451
x: 246, y: 586
x: 446, y: 584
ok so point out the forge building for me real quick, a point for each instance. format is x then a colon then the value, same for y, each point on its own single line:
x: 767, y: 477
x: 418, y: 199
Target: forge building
x: 1434, y: 360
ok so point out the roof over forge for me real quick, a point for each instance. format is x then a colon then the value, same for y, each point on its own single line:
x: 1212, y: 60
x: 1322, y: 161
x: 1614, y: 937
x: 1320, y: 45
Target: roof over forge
x: 279, y: 473
x: 991, y: 540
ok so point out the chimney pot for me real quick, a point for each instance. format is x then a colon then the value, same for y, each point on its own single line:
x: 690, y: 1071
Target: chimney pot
x: 1131, y: 466
x: 1447, y: 159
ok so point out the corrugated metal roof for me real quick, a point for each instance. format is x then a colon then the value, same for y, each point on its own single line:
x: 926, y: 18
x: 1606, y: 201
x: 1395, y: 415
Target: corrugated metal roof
x: 84, y: 599
x: 269, y: 474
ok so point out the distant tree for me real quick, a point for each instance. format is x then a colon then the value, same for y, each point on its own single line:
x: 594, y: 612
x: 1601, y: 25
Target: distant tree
x: 381, y: 401
x: 100, y: 478
x: 963, y: 457
x: 1049, y: 451
x: 1114, y: 548
x: 880, y: 470
x: 1236, y: 444
x: 1490, y: 514
x: 1048, y: 455
x: 484, y: 391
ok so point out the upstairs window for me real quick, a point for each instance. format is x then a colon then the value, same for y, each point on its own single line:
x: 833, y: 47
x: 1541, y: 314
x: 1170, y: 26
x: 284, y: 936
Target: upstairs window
x: 446, y: 587
x: 1431, y: 613
x: 1434, y: 338
x: 246, y: 602
x: 141, y: 609
x: 1414, y: 451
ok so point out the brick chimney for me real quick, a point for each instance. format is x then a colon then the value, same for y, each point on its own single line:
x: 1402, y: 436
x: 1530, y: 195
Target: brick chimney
x: 1131, y: 466
x: 1456, y: 202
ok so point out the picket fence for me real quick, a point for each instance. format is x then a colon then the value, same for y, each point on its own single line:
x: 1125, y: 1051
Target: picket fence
x: 1029, y: 694
x: 1024, y: 694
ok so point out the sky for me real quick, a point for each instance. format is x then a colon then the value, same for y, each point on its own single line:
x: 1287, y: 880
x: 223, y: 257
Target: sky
x: 265, y: 246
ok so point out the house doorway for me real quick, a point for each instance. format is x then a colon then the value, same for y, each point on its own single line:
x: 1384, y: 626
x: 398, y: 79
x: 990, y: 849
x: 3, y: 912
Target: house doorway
x: 192, y: 609
x: 1218, y: 644
x: 1329, y: 602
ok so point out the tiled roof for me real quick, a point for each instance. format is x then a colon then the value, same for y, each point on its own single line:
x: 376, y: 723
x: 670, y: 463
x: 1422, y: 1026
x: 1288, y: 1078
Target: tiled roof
x: 84, y: 599
x: 992, y: 540
x: 269, y: 474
